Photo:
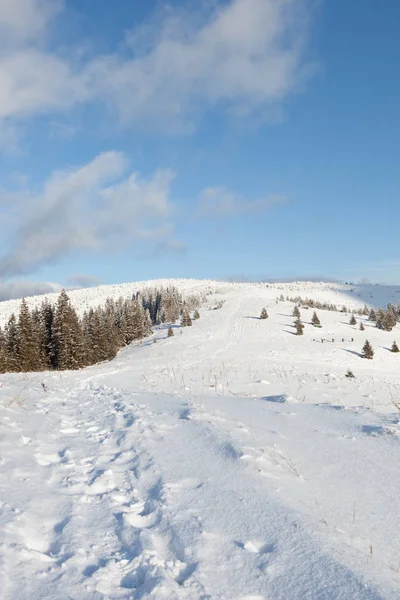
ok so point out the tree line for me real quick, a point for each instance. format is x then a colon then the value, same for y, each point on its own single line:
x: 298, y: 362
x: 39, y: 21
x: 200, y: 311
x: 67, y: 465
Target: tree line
x: 54, y: 337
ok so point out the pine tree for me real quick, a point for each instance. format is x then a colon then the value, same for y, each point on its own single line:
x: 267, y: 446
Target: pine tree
x: 362, y: 327
x: 372, y: 315
x: 11, y: 344
x: 299, y: 327
x: 171, y: 304
x: 186, y: 321
x: 394, y: 347
x: 196, y: 315
x: 264, y: 314
x: 170, y: 332
x: 67, y: 335
x: 296, y: 312
x: 282, y: 298
x: 367, y: 351
x: 27, y: 343
x: 353, y: 320
x: 389, y: 320
x: 315, y: 320
x: 3, y: 352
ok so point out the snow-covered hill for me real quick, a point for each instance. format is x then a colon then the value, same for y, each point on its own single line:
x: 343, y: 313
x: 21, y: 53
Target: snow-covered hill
x: 354, y: 296
x: 232, y: 461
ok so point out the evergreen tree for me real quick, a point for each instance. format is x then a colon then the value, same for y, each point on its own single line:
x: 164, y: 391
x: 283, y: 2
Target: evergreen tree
x: 353, y: 320
x: 367, y: 351
x: 3, y: 353
x: 264, y: 314
x: 296, y: 312
x: 299, y: 327
x: 372, y: 315
x: 196, y: 315
x: 315, y: 320
x: 394, y: 347
x: 186, y: 321
x: 148, y: 325
x: 282, y: 298
x: 389, y: 320
x: 170, y: 332
x: 362, y: 327
x: 28, y: 354
x: 67, y: 335
x: 11, y: 343
x: 171, y: 304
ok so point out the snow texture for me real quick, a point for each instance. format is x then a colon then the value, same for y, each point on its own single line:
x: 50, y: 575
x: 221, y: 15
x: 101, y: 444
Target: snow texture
x: 235, y: 461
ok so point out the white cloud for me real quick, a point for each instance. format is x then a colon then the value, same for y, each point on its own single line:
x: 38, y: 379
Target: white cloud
x: 26, y: 19
x: 21, y: 288
x: 221, y: 202
x: 245, y: 57
x: 81, y: 209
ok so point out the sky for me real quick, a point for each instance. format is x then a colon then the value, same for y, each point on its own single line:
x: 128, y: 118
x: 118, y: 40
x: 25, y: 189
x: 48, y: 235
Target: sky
x: 241, y: 139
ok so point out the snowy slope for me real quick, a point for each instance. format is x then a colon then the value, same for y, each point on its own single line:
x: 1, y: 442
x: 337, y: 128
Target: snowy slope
x: 232, y: 461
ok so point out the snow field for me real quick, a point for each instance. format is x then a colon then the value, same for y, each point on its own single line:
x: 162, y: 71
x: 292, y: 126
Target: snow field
x: 234, y: 461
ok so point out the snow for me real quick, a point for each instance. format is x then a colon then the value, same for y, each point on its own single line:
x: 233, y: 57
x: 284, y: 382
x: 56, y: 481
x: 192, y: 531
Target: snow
x: 233, y: 461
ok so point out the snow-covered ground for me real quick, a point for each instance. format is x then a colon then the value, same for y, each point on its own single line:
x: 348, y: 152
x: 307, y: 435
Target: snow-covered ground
x: 232, y: 461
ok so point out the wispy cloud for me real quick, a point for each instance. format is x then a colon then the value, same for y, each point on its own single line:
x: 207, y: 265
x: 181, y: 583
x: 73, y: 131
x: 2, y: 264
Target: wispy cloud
x: 221, y: 202
x: 244, y: 57
x: 83, y: 209
x: 21, y: 288
x: 80, y: 280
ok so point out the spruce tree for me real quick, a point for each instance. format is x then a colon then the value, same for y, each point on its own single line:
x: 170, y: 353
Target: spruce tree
x: 389, y: 320
x: 196, y: 315
x: 299, y: 327
x: 67, y: 335
x: 11, y: 343
x: 353, y: 320
x: 394, y: 347
x: 3, y: 352
x: 28, y: 354
x: 367, y: 351
x: 170, y: 332
x: 296, y: 312
x: 362, y: 327
x: 372, y: 315
x: 315, y: 320
x: 186, y: 321
x: 264, y: 314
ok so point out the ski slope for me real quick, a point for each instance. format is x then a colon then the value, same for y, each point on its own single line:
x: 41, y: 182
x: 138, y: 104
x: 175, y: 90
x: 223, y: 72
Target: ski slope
x: 233, y: 461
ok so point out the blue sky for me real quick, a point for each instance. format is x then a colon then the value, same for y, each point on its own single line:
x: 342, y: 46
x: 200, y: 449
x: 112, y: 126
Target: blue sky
x: 235, y: 138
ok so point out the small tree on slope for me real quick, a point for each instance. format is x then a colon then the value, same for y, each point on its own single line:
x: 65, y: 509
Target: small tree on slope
x: 367, y: 351
x: 264, y: 314
x: 362, y: 327
x: 394, y: 347
x: 315, y: 320
x: 296, y: 312
x: 299, y: 327
x: 353, y: 320
x: 170, y: 332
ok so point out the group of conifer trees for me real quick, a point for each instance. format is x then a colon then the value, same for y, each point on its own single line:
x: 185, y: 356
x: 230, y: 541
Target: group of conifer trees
x: 54, y: 337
